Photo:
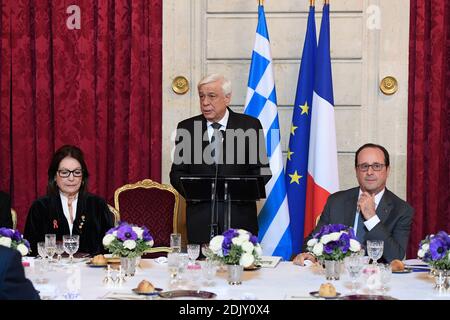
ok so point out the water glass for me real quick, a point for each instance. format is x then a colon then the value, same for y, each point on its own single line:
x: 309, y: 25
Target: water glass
x: 175, y: 242
x: 209, y: 269
x: 375, y: 249
x: 193, y: 251
x: 172, y: 264
x: 71, y: 244
x: 50, y: 246
x: 385, y: 276
x: 354, y: 265
x: 59, y: 250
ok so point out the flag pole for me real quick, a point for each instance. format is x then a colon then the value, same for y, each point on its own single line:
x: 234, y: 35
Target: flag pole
x: 311, y: 3
x: 326, y: 2
x: 261, y: 2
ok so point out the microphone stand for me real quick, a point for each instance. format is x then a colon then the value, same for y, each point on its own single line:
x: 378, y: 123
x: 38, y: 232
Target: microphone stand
x: 214, y: 213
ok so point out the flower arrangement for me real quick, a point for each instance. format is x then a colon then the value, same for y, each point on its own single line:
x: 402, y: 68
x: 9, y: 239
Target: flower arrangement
x: 334, y: 242
x: 14, y: 239
x: 434, y: 250
x: 236, y: 246
x: 127, y: 240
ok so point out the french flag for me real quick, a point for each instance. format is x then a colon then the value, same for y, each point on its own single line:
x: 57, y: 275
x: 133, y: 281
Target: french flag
x: 322, y: 157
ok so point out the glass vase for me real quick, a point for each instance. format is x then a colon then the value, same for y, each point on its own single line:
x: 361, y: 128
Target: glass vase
x: 441, y: 281
x: 333, y: 269
x: 128, y: 266
x: 235, y: 274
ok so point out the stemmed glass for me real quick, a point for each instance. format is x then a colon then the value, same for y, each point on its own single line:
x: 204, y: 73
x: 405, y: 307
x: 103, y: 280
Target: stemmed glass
x: 193, y: 251
x: 71, y: 244
x: 385, y: 276
x: 172, y: 263
x: 354, y: 265
x: 375, y: 249
x: 50, y: 246
x: 59, y: 250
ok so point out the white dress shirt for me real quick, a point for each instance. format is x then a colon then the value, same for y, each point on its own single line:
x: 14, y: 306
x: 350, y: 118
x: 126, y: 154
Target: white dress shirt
x: 65, y: 207
x: 372, y: 222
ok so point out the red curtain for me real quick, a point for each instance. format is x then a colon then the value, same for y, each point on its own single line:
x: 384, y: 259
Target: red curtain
x: 98, y: 87
x: 428, y: 187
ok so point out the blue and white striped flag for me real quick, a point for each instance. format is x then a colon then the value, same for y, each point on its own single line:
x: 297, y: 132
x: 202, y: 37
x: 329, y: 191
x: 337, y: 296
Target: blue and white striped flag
x: 261, y: 102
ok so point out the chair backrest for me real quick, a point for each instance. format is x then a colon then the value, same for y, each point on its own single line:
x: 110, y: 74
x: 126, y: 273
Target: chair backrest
x: 14, y: 218
x: 151, y: 204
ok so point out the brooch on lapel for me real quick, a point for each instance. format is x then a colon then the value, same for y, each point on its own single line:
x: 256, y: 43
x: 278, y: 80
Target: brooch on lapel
x: 83, y: 218
x: 55, y: 224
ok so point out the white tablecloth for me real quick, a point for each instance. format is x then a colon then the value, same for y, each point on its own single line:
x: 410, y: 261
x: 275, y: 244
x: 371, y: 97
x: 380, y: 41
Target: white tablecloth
x: 286, y: 281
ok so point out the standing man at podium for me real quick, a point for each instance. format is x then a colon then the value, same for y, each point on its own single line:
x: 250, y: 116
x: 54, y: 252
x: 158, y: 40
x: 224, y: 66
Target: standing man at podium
x: 219, y: 142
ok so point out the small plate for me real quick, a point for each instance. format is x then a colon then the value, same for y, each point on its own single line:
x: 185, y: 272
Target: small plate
x: 366, y: 297
x: 403, y: 271
x: 157, y: 291
x: 316, y: 295
x: 187, y: 293
x: 91, y: 265
x: 252, y: 268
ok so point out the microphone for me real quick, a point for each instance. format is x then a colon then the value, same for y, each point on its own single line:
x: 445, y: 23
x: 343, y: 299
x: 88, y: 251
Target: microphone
x: 218, y: 154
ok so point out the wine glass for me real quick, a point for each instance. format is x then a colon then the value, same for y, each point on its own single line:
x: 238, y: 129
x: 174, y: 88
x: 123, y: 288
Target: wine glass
x: 50, y: 246
x: 375, y: 249
x: 209, y: 269
x: 172, y: 264
x: 59, y: 250
x: 385, y: 276
x: 71, y: 244
x: 193, y: 251
x: 354, y: 265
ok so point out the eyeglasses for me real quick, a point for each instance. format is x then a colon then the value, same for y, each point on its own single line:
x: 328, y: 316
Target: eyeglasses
x: 375, y: 166
x: 66, y: 173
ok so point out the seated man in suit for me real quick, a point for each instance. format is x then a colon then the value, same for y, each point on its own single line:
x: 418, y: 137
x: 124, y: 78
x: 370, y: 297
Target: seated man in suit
x: 5, y: 211
x: 13, y: 284
x: 371, y: 209
x: 237, y: 151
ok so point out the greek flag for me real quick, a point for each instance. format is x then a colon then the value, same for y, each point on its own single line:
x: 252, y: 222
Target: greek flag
x: 261, y: 103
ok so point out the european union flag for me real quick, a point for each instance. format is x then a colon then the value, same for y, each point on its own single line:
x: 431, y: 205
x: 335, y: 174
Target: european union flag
x: 297, y: 157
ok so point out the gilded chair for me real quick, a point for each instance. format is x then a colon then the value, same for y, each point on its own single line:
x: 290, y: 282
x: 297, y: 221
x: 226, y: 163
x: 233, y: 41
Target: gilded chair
x: 151, y: 204
x: 116, y: 214
x: 14, y: 218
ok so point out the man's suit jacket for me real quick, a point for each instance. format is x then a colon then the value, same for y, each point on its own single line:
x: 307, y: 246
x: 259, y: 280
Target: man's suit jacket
x: 13, y: 284
x: 5, y: 210
x: 394, y: 226
x: 198, y: 214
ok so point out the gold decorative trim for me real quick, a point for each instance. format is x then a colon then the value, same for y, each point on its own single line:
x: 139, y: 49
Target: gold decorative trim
x: 180, y: 85
x: 148, y: 184
x: 389, y: 85
x: 14, y: 218
x: 116, y: 214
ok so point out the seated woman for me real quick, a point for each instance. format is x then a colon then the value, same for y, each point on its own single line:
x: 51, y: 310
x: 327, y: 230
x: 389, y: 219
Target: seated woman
x: 5, y: 211
x: 68, y: 208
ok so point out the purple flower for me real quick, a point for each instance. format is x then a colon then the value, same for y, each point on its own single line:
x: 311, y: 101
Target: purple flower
x: 329, y: 247
x: 344, y: 243
x: 125, y: 232
x: 17, y: 236
x: 437, y: 248
x: 6, y: 232
x: 146, y: 235
x: 254, y: 239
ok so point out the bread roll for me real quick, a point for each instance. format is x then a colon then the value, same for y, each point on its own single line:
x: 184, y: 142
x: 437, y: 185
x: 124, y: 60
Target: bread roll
x: 145, y: 287
x: 397, y: 265
x: 327, y: 290
x: 99, y: 260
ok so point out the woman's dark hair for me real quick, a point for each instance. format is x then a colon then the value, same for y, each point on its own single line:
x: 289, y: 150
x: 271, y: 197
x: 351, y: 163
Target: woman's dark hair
x: 58, y: 156
x: 376, y: 146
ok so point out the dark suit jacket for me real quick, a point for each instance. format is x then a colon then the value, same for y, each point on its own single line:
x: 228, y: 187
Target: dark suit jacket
x: 198, y: 214
x: 13, y: 284
x: 92, y: 220
x: 5, y: 210
x: 394, y: 226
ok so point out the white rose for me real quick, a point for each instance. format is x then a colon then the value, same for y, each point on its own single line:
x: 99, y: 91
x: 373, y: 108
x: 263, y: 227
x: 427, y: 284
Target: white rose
x: 425, y: 247
x: 246, y: 260
x: 318, y: 249
x: 216, y: 244
x: 325, y: 239
x: 311, y: 242
x: 335, y: 236
x: 248, y: 247
x: 107, y: 239
x: 129, y: 244
x: 150, y: 243
x: 5, y: 241
x: 238, y: 240
x: 355, y: 246
x: 138, y: 231
x: 22, y: 249
x: 421, y: 253
x: 258, y: 250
